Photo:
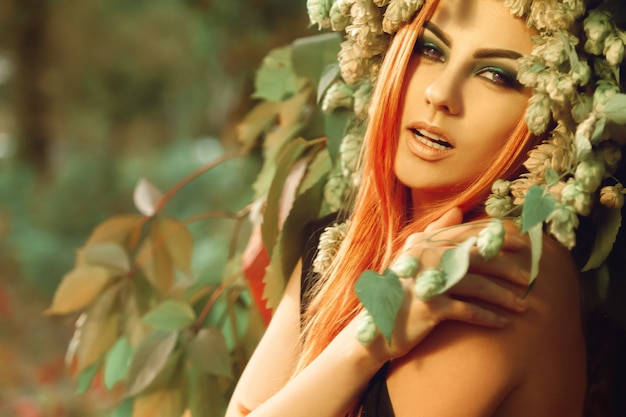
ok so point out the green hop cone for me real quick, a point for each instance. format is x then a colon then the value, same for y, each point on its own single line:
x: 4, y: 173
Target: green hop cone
x: 405, y: 266
x: 429, y: 283
x: 366, y: 329
x: 491, y: 239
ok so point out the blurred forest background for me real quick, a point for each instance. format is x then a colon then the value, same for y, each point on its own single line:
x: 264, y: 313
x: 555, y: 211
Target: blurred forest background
x: 95, y: 94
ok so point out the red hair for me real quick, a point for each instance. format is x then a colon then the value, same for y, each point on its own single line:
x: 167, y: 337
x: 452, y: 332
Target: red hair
x: 382, y: 217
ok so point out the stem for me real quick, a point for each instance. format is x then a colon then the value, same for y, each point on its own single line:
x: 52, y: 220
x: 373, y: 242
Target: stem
x: 214, y: 297
x: 160, y: 205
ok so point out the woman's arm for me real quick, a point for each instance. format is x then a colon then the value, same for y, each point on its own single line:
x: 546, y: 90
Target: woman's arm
x: 535, y: 366
x: 332, y: 383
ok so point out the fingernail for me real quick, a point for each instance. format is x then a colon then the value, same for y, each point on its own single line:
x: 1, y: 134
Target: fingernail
x: 521, y: 304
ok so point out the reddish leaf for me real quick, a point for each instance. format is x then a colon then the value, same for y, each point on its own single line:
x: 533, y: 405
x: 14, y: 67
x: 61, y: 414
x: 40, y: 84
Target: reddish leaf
x: 78, y: 289
x: 254, y: 262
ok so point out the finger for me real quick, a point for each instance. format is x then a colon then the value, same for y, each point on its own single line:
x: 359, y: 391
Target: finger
x: 513, y: 268
x: 477, y: 287
x: 451, y: 217
x: 450, y: 309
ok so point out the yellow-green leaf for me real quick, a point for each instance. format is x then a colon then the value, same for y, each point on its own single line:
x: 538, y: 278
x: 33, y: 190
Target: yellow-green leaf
x: 208, y: 351
x: 155, y: 261
x: 178, y: 242
x: 114, y: 230
x: 257, y: 121
x: 116, y: 362
x: 205, y: 395
x: 162, y: 403
x: 108, y: 255
x: 170, y: 315
x: 78, y: 289
x: 100, y: 329
x: 149, y: 360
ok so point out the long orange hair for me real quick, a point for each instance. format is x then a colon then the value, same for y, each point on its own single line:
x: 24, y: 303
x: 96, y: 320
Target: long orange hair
x: 382, y: 216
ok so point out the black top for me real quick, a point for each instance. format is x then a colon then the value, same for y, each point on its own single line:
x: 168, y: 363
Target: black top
x: 375, y: 401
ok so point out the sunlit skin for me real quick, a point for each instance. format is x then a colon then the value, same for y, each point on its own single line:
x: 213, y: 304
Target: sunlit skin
x: 462, y: 100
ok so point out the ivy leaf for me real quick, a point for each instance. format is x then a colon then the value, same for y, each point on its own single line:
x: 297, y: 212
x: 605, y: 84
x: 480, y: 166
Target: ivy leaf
x: 208, y: 352
x: 161, y: 403
x: 536, y: 247
x: 537, y: 207
x: 608, y: 222
x: 86, y: 377
x: 311, y: 54
x: 124, y: 409
x: 108, y: 255
x: 615, y: 109
x: 170, y: 315
x: 382, y: 296
x: 257, y: 121
x: 149, y: 360
x: 78, y: 289
x: 276, y: 79
x: 205, y: 397
x: 146, y: 196
x: 336, y: 124
x: 455, y: 262
x: 114, y: 230
x: 100, y: 329
x: 116, y: 362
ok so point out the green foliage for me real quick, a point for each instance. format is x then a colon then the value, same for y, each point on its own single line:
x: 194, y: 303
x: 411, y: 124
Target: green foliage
x: 381, y: 295
x: 537, y: 207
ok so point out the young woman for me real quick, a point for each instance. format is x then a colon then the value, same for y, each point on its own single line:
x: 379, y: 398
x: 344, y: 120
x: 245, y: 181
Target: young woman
x: 446, y: 121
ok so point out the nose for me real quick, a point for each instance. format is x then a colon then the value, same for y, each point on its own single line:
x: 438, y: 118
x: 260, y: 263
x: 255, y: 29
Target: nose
x: 444, y: 94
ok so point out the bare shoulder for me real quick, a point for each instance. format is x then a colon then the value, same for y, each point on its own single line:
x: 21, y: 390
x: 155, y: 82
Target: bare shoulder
x: 534, y: 366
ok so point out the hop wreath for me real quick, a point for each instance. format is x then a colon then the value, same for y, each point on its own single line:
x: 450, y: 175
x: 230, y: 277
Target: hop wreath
x: 574, y: 73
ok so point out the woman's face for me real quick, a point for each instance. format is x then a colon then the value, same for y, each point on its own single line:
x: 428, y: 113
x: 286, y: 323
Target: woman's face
x: 462, y: 99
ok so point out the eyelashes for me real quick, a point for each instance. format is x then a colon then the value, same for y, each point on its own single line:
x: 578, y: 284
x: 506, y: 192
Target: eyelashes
x: 497, y: 75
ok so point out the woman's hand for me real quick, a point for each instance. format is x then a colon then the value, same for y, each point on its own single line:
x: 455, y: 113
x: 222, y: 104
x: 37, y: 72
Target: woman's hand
x: 488, y: 290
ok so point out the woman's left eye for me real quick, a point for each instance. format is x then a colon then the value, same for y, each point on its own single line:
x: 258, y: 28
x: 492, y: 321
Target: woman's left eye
x: 499, y: 77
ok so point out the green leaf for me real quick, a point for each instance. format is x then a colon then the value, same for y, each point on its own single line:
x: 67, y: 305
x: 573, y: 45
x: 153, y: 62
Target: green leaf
x: 86, y: 377
x: 170, y: 315
x: 286, y: 252
x: 599, y: 130
x: 317, y: 169
x: 552, y: 177
x: 608, y: 222
x: 116, y: 362
x: 205, y: 395
x: 536, y: 247
x: 269, y: 229
x: 276, y: 80
x: 537, y: 207
x: 336, y: 126
x: 455, y: 262
x: 149, y: 359
x: 312, y: 54
x: 615, y: 109
x: 124, y: 409
x: 108, y: 255
x: 382, y: 296
x: 329, y: 75
x: 208, y: 351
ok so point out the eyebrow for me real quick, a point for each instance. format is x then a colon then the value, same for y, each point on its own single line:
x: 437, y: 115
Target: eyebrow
x: 480, y: 53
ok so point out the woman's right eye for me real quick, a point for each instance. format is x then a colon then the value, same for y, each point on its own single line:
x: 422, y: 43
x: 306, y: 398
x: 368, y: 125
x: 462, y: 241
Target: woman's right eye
x: 430, y: 51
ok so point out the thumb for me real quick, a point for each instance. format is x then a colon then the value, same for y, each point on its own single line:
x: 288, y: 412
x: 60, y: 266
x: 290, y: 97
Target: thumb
x: 451, y: 217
